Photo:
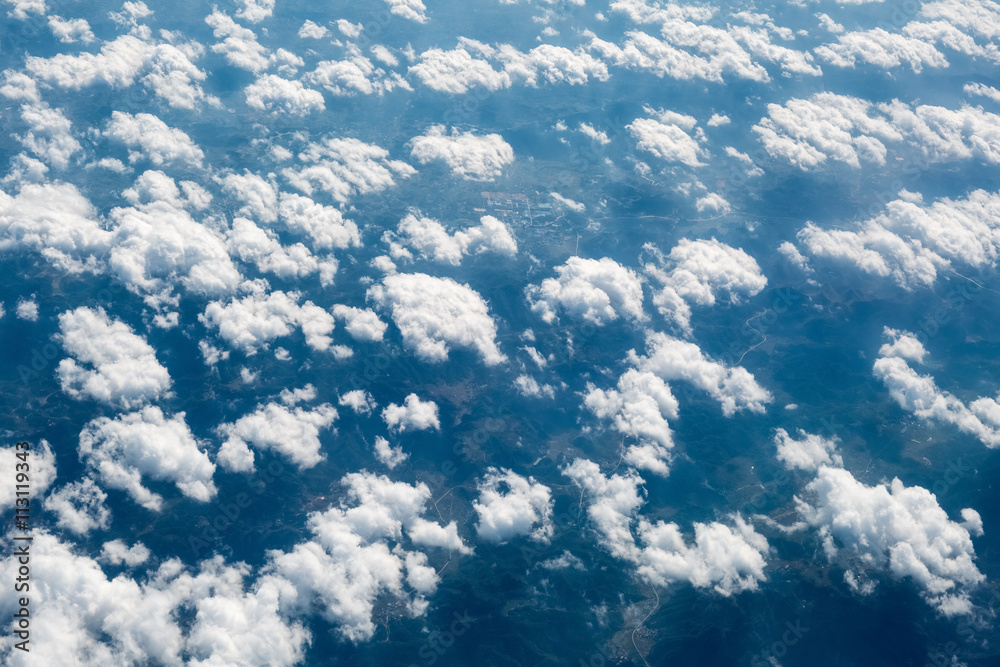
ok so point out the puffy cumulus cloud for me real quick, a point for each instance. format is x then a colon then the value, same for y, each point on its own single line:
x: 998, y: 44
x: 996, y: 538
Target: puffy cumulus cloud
x: 982, y: 90
x: 360, y: 323
x: 117, y: 552
x: 255, y: 11
x: 22, y: 8
x: 808, y: 132
x: 456, y: 71
x: 669, y: 137
x: 829, y: 127
x: 413, y: 415
x: 728, y: 559
x: 359, y: 400
x: 563, y: 561
x: 325, y: 226
x: 262, y: 248
x: 69, y: 31
x: 120, y: 452
x: 698, y: 272
x: 153, y: 140
x: 158, y: 245
x: 550, y: 64
x: 432, y: 241
x: 109, y: 363
x: 49, y: 135
x: 673, y: 359
x: 408, y: 9
x: 94, y: 620
x: 237, y: 44
x: 43, y: 470
x: 597, y: 290
x: 19, y: 86
x: 883, y: 49
x: 274, y: 94
x: 911, y: 243
x: 471, y: 157
x: 895, y: 528
x: 575, y: 206
x: 258, y: 196
x: 389, y: 456
x: 690, y: 48
x: 56, y: 221
x: 311, y: 30
x: 510, y: 505
x: 79, y: 507
x: 434, y: 314
x: 27, y: 309
x: 808, y: 453
x: 251, y: 323
x: 530, y: 387
x: 345, y: 167
x: 920, y: 395
x: 293, y: 432
x: 361, y: 553
x: 167, y: 69
x: 355, y: 75
x: 639, y: 409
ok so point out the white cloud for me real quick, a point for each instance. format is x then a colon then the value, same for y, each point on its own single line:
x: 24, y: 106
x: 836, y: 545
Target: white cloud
x: 510, y: 505
x: 413, y: 415
x: 293, y: 433
x: 325, y: 225
x: 109, y: 363
x: 882, y: 49
x: 239, y: 45
x: 574, y: 206
x: 22, y: 8
x: 167, y: 69
x: 669, y: 137
x: 258, y: 195
x: 698, y: 272
x: 920, y: 395
x: 911, y: 243
x: 361, y: 323
x: 389, y: 456
x: 408, y: 9
x: 600, y: 136
x: 673, y: 359
x: 49, y: 135
x: 274, y: 94
x: 262, y: 248
x: 808, y: 453
x: 120, y: 452
x: 639, y: 408
x: 356, y: 74
x: 310, y: 30
x: 93, y: 620
x: 69, y: 31
x: 348, y: 29
x: 530, y: 387
x: 471, y: 157
x: 255, y: 11
x: 343, y: 167
x: 457, y: 71
x: 55, y: 220
x: 42, y: 463
x: 359, y: 400
x: 433, y: 314
x: 154, y: 140
x: 117, y: 553
x: 982, y: 90
x: 27, y: 309
x: 79, y: 507
x: 430, y: 238
x: 597, y: 290
x: 250, y: 324
x: 892, y: 528
x: 829, y: 127
x: 349, y: 564
x: 727, y: 559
